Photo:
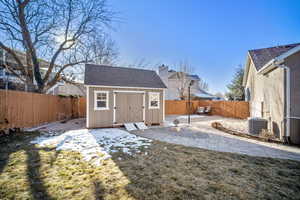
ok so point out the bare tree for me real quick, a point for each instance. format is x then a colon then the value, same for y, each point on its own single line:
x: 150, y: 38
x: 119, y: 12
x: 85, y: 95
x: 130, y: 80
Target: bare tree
x: 183, y: 80
x: 56, y: 30
x: 103, y: 49
x: 143, y: 63
x: 203, y: 85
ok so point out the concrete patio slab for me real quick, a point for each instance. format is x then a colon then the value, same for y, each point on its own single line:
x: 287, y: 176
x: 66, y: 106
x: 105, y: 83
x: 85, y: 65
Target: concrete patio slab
x: 200, y: 134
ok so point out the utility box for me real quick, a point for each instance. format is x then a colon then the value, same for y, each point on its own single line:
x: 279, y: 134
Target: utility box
x: 256, y: 125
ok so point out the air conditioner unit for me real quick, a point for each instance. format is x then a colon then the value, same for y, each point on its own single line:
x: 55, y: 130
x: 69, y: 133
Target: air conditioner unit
x: 256, y: 125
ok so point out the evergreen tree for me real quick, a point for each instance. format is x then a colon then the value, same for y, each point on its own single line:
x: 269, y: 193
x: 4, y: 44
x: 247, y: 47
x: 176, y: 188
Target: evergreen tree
x: 236, y: 89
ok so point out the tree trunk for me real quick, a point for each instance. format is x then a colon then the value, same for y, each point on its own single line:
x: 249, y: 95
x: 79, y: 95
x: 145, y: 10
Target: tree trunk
x: 30, y: 48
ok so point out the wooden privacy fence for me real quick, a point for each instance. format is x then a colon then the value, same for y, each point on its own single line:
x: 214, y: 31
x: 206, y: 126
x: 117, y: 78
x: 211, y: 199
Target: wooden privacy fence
x: 23, y: 109
x: 234, y: 109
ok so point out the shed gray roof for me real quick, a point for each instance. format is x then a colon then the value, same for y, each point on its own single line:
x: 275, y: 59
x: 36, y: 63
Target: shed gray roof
x: 261, y: 57
x: 121, y: 76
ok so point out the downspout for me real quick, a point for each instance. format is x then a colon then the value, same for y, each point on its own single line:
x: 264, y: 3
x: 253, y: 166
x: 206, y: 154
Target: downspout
x: 87, y: 106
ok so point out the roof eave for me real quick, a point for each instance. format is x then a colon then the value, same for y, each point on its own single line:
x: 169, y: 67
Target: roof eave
x: 267, y: 67
x: 247, y: 66
x: 278, y: 60
x: 114, y: 86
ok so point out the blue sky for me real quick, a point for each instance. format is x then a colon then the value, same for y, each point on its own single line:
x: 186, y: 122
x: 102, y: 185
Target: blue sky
x: 213, y: 36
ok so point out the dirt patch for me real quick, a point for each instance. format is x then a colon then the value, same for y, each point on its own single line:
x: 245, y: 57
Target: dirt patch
x: 161, y: 171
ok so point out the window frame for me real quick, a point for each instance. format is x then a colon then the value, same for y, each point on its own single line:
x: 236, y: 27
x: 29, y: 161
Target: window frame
x: 95, y: 100
x: 248, y: 94
x: 149, y: 99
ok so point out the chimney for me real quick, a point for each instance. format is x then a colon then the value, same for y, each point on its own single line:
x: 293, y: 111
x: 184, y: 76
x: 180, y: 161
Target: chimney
x: 163, y: 69
x: 163, y: 72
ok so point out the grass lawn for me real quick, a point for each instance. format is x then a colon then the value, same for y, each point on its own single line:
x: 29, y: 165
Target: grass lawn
x: 162, y: 171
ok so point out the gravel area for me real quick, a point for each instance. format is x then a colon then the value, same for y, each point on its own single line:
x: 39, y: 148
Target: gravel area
x: 200, y: 134
x: 238, y: 125
x: 73, y: 124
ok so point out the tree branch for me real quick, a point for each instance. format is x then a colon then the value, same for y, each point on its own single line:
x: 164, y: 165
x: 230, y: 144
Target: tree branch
x: 14, y: 73
x: 14, y: 55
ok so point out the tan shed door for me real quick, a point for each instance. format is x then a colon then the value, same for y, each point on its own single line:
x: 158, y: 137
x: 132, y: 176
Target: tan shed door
x: 129, y: 107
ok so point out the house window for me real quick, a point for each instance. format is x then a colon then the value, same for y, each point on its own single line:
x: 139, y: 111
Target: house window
x: 153, y: 100
x: 101, y: 100
x: 2, y: 54
x: 248, y: 94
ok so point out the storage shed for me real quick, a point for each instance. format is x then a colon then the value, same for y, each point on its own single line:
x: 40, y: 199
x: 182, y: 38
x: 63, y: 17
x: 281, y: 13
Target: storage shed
x: 118, y: 95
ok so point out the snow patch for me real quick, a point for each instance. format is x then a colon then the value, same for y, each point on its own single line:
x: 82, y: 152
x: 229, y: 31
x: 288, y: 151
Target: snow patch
x: 94, y: 144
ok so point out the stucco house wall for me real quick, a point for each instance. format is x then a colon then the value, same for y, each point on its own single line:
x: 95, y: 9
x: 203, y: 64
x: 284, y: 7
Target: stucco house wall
x: 272, y: 84
x: 266, y: 98
x: 273, y: 107
x: 293, y: 62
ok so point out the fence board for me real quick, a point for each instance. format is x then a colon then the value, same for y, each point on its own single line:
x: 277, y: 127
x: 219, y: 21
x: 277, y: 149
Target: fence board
x: 234, y: 109
x: 24, y: 109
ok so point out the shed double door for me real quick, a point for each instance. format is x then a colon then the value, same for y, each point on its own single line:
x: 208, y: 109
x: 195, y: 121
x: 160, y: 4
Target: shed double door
x: 129, y: 107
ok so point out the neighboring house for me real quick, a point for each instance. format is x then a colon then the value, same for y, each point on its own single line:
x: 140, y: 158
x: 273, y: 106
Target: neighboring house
x: 67, y: 89
x: 117, y: 95
x: 172, y: 80
x: 272, y: 87
x: 7, y: 79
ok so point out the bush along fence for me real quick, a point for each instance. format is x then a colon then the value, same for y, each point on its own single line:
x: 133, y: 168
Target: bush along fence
x: 24, y: 109
x: 234, y: 109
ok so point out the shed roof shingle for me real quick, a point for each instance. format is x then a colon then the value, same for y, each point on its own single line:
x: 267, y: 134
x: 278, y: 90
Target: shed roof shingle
x: 261, y: 57
x: 121, y: 76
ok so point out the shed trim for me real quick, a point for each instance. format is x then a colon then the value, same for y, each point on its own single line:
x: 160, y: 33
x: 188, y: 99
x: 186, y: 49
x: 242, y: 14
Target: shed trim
x: 105, y: 86
x: 87, y: 106
x: 164, y: 115
x: 95, y: 100
x: 128, y: 91
x: 158, y: 102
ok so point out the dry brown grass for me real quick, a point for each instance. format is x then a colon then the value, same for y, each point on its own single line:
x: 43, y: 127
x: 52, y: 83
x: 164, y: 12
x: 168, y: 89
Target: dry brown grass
x: 163, y: 171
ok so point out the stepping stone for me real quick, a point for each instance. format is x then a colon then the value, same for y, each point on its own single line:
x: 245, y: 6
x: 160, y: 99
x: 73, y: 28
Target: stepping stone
x: 141, y: 125
x: 130, y: 127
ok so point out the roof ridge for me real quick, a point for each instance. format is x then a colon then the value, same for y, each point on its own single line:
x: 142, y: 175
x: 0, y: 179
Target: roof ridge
x: 129, y: 68
x: 262, y: 56
x: 278, y: 46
